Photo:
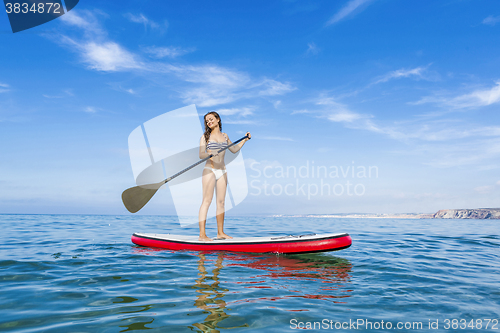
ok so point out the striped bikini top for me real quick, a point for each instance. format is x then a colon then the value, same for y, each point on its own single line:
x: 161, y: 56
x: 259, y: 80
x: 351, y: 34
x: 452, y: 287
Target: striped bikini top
x: 216, y: 146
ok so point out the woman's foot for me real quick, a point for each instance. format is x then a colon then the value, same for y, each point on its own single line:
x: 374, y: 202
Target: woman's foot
x: 223, y: 236
x: 204, y: 239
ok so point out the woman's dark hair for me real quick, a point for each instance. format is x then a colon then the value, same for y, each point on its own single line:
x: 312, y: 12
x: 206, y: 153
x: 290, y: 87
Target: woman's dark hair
x: 208, y: 130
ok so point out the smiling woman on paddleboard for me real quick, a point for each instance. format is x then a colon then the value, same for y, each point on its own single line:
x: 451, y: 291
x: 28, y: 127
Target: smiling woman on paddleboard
x: 214, y: 175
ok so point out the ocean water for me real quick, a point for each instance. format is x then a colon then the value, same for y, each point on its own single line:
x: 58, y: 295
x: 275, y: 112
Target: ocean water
x: 78, y: 273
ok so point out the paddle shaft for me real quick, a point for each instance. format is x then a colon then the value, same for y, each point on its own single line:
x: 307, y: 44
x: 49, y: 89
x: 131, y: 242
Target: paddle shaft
x: 203, y: 160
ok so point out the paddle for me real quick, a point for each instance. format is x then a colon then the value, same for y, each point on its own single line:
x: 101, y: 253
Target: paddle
x: 137, y: 197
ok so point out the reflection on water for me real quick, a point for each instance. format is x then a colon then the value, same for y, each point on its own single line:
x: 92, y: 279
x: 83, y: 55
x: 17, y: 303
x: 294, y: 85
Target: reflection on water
x: 210, y: 295
x: 136, y: 323
x: 333, y: 272
x: 272, y: 271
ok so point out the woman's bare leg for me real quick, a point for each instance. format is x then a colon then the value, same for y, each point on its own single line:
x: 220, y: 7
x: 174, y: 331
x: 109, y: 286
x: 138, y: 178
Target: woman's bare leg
x: 208, y: 183
x: 220, y: 191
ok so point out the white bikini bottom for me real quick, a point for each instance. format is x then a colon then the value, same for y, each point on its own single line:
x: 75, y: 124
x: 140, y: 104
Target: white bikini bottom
x: 217, y: 172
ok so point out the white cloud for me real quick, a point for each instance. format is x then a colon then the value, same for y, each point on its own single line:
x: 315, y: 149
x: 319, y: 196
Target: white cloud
x: 52, y: 96
x: 4, y: 87
x: 491, y: 20
x: 423, y: 130
x: 478, y: 98
x: 127, y: 90
x: 403, y: 73
x: 86, y: 21
x: 347, y: 10
x: 304, y: 111
x: 74, y: 19
x: 95, y: 48
x: 327, y: 107
x: 272, y: 88
x: 90, y: 109
x: 435, y: 132
x: 475, y: 99
x: 446, y: 155
x: 208, y: 96
x: 142, y: 19
x: 484, y: 189
x: 438, y: 141
x: 108, y: 56
x: 488, y: 167
x: 236, y: 112
x: 339, y: 113
x: 119, y: 87
x: 214, y: 85
x: 217, y: 85
x: 312, y: 48
x: 276, y: 138
x: 344, y: 116
x: 65, y: 93
x: 211, y: 74
x: 167, y: 52
x: 243, y: 112
x: 239, y: 122
x: 204, y: 85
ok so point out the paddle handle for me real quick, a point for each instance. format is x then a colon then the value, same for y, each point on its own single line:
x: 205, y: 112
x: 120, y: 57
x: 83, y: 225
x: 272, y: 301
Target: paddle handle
x: 203, y: 160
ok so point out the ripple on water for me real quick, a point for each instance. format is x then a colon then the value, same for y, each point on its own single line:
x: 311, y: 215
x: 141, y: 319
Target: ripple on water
x: 81, y: 273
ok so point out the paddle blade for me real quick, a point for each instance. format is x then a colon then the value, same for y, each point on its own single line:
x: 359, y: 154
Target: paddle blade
x: 137, y: 197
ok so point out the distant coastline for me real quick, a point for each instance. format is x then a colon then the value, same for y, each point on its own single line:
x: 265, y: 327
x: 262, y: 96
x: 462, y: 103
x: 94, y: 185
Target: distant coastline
x: 477, y: 213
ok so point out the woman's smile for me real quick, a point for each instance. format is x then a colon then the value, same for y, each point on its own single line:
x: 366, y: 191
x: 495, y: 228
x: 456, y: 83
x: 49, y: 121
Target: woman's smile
x: 211, y: 122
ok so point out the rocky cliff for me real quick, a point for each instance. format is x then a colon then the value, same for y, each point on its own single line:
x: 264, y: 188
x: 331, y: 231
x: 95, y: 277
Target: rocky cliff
x: 480, y: 213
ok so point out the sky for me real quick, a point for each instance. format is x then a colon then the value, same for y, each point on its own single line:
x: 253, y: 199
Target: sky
x: 357, y: 106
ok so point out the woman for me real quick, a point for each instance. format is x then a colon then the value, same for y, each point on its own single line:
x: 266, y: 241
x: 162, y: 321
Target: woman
x: 214, y: 174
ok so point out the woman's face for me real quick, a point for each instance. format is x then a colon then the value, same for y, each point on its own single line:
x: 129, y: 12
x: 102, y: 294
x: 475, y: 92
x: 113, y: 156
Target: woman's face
x: 212, y: 121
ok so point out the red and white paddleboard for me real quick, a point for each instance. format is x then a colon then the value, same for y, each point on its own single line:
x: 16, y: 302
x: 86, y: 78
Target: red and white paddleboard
x: 278, y: 244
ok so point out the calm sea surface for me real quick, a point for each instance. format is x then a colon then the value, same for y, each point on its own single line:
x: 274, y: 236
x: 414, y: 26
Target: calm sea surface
x: 78, y: 273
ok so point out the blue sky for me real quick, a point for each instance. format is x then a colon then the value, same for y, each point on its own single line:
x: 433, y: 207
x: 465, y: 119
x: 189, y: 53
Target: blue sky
x: 411, y: 88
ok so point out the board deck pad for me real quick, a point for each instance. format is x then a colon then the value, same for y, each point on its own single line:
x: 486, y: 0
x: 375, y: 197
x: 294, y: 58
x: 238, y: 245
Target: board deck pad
x: 306, y: 243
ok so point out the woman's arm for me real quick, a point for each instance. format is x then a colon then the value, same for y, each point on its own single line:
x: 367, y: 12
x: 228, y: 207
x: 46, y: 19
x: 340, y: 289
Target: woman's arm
x: 203, y: 148
x: 236, y: 148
